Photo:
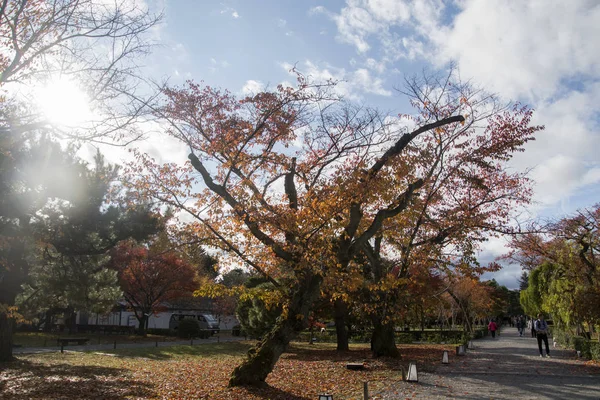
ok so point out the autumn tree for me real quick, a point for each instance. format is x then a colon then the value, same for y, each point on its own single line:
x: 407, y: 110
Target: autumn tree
x: 299, y: 182
x: 564, y: 277
x: 150, y: 279
x: 475, y: 300
x: 469, y: 195
x: 40, y: 42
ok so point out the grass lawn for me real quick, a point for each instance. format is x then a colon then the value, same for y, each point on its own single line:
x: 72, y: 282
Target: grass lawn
x: 45, y: 339
x: 202, y: 372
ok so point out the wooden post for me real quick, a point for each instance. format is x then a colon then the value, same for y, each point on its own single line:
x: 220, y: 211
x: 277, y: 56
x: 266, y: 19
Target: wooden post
x: 61, y: 347
x: 366, y: 390
x: 115, y: 345
x: 157, y: 343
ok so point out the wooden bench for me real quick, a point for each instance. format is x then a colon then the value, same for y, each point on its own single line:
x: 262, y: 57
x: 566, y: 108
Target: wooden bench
x: 66, y: 341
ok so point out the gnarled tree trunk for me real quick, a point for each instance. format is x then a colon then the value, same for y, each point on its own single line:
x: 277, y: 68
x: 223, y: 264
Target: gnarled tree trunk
x: 6, y: 337
x: 262, y: 358
x: 383, y: 341
x: 340, y: 314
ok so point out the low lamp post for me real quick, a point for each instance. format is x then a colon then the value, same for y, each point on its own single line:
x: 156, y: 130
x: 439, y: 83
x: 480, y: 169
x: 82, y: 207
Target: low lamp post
x: 326, y: 396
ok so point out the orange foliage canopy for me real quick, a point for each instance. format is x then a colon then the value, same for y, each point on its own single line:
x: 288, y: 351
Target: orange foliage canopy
x: 149, y: 280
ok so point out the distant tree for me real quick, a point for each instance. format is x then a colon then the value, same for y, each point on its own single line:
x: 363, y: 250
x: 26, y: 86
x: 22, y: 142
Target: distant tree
x: 523, y: 281
x: 75, y: 235
x: 42, y: 41
x: 235, y: 277
x: 564, y: 278
x: 149, y: 279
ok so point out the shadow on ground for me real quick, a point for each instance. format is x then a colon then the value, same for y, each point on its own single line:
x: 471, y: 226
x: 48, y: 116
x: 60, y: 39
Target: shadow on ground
x: 22, y: 379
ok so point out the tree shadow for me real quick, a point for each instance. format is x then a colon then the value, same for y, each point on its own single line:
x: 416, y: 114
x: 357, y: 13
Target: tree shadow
x: 23, y: 379
x: 272, y: 393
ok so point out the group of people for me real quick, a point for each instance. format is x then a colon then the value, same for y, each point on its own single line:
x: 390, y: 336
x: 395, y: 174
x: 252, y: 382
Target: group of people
x: 539, y: 330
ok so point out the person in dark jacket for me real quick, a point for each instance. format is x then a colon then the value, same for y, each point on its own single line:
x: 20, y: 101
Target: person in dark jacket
x: 541, y: 332
x: 520, y: 325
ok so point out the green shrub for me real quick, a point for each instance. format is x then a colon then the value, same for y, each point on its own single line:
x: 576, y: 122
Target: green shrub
x: 362, y: 337
x: 583, y: 345
x: 563, y: 338
x: 404, y: 337
x: 432, y: 337
x: 188, y: 328
x: 595, y: 351
x: 238, y: 331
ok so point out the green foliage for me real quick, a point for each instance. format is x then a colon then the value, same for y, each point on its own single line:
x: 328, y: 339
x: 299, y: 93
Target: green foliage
x: 75, y: 234
x: 583, y: 345
x: 595, y: 351
x: 235, y: 277
x: 188, y: 328
x: 563, y: 338
x: 524, y: 281
x: 254, y: 316
x: 404, y: 337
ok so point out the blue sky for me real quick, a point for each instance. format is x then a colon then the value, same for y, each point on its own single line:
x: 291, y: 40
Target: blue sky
x: 545, y: 53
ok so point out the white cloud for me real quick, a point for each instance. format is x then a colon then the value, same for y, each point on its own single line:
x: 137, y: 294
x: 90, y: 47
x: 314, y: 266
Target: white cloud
x: 556, y: 177
x: 231, y: 11
x: 535, y: 51
x: 375, y: 65
x: 363, y: 20
x: 252, y: 87
x: 523, y: 49
x: 156, y: 143
x: 363, y: 81
x: 351, y: 84
x: 215, y: 64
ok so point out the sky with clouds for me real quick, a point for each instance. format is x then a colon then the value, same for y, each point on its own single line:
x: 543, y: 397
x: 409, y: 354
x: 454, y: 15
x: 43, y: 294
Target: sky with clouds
x: 545, y: 53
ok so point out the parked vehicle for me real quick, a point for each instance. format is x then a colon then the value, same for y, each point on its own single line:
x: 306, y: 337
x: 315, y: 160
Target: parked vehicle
x: 205, y: 321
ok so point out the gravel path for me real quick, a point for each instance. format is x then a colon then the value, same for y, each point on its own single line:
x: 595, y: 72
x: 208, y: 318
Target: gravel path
x: 508, y: 367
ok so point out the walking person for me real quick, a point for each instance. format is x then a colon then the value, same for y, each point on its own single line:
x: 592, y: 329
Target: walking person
x: 492, y: 327
x: 541, y: 331
x: 531, y: 325
x: 520, y: 325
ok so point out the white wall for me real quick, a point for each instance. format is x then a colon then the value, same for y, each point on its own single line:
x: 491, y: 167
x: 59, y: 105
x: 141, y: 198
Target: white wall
x: 156, y: 321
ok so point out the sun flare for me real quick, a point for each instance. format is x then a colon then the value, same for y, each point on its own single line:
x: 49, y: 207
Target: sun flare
x: 63, y: 102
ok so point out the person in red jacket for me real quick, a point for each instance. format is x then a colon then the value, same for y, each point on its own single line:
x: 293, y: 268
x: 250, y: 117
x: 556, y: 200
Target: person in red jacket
x: 492, y: 327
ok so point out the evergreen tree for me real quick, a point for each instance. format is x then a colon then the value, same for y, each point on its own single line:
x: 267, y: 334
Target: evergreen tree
x: 75, y: 233
x: 524, y: 281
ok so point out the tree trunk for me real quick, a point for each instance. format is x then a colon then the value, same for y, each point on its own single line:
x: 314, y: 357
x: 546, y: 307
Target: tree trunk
x: 48, y: 320
x: 383, y: 341
x: 71, y: 320
x: 6, y: 337
x: 142, y: 324
x: 341, y: 313
x: 262, y: 358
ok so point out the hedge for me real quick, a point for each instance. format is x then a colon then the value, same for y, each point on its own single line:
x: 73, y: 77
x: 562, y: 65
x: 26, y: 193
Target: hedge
x: 404, y: 337
x: 588, y: 348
